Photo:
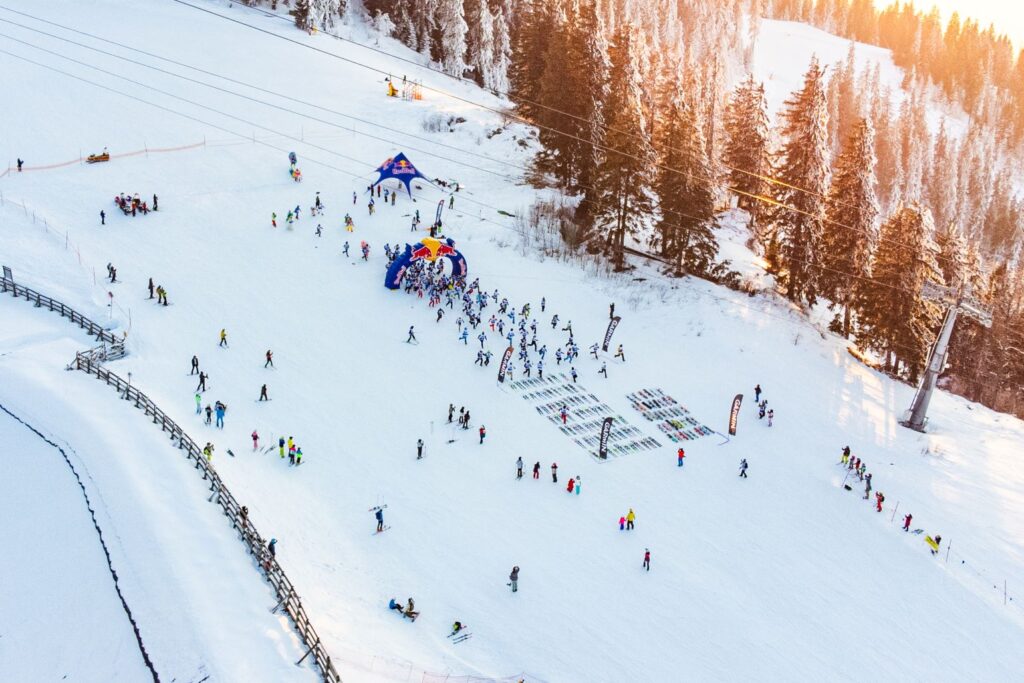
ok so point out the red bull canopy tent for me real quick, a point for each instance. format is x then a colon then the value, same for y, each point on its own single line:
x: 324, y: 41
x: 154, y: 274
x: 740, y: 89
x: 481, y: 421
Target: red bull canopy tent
x: 400, y: 168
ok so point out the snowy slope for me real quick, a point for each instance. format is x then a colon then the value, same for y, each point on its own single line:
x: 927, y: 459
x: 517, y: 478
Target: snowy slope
x: 785, y: 567
x: 783, y: 50
x: 201, y: 606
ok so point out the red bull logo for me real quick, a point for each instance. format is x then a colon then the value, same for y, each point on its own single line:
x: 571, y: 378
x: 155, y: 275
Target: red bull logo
x: 431, y: 248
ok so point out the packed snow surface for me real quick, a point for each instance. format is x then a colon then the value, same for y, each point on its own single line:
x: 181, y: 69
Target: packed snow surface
x: 781, y: 576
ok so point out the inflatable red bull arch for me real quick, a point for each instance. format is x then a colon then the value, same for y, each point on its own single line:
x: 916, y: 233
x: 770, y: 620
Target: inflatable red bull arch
x: 428, y: 249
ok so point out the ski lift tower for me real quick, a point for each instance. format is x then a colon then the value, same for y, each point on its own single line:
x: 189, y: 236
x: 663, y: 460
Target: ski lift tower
x: 956, y: 302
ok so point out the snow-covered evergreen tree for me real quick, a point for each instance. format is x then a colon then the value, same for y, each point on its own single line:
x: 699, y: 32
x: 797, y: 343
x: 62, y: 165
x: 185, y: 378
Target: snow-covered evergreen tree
x: 745, y: 153
x: 851, y: 223
x: 571, y: 127
x: 497, y: 78
x: 480, y: 41
x: 621, y: 188
x: 802, y: 170
x: 453, y: 29
x: 894, y: 320
x: 684, y: 233
x: 530, y: 35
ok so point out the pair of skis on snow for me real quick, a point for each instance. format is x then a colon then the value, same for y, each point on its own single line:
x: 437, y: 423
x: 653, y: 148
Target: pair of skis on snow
x: 460, y: 636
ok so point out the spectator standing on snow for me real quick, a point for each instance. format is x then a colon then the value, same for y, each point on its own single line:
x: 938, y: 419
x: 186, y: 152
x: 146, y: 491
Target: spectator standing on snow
x: 630, y: 519
x: 483, y: 432
x: 223, y: 338
x: 270, y: 359
x: 419, y: 449
x: 647, y: 559
x: 906, y: 522
x: 513, y: 579
x: 519, y: 468
x: 554, y: 472
x: 757, y: 393
x: 680, y: 454
x: 536, y: 470
x: 195, y: 365
x: 743, y: 468
x: 263, y: 393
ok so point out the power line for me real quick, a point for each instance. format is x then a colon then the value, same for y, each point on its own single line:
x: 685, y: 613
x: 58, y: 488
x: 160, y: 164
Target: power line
x: 266, y: 144
x: 509, y: 96
x: 710, y: 180
x: 807, y: 263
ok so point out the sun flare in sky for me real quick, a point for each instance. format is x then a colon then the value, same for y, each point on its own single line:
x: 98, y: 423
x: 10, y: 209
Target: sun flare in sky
x: 1006, y: 15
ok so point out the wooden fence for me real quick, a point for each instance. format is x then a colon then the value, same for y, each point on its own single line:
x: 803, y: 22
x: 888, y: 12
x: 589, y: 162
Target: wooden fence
x: 115, y: 349
x: 288, y: 600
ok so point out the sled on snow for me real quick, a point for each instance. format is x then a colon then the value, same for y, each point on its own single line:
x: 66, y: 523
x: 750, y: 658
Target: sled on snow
x: 96, y: 158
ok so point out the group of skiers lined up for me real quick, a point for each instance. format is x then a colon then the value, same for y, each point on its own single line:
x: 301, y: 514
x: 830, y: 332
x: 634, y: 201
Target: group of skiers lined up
x: 130, y: 205
x: 294, y: 451
x: 855, y: 466
x: 219, y: 409
x: 762, y: 406
x: 159, y: 291
x: 575, y: 485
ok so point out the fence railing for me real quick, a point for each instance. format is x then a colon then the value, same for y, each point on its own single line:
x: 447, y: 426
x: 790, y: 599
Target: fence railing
x: 116, y: 344
x: 288, y: 600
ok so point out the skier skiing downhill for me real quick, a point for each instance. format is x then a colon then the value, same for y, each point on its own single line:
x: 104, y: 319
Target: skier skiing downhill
x: 380, y: 522
x: 743, y: 468
x: 412, y: 335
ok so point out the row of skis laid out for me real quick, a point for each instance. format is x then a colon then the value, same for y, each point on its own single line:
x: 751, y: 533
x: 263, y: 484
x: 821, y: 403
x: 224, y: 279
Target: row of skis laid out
x: 671, y: 417
x: 585, y: 415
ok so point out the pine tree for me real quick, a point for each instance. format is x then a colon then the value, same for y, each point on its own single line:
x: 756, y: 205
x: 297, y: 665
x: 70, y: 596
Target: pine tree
x: 453, y: 30
x: 571, y: 127
x: 479, y: 41
x: 852, y: 202
x: 952, y: 255
x: 502, y: 53
x: 531, y: 31
x: 621, y: 188
x: 803, y: 174
x: 301, y: 14
x: 894, y: 319
x: 685, y: 194
x: 745, y: 152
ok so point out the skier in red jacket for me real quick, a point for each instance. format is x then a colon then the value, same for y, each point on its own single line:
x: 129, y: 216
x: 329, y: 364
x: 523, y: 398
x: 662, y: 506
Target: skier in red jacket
x: 680, y: 454
x: 906, y: 522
